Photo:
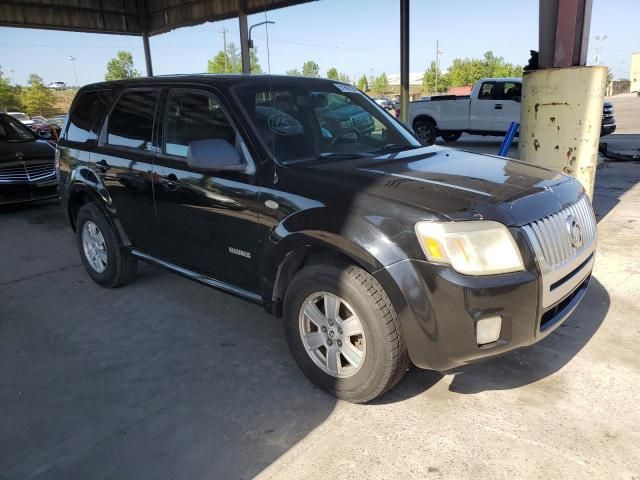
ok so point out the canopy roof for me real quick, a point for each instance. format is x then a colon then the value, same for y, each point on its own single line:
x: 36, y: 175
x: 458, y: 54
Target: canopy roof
x: 127, y: 17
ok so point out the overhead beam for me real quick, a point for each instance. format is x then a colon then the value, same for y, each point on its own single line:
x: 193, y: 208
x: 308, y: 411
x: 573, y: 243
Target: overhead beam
x: 404, y: 60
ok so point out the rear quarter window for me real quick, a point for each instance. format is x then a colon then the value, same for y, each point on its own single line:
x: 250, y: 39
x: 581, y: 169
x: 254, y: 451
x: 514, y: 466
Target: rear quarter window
x: 87, y: 115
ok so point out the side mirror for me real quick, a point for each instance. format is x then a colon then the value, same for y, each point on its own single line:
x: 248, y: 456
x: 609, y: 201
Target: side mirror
x: 44, y: 135
x: 214, y: 155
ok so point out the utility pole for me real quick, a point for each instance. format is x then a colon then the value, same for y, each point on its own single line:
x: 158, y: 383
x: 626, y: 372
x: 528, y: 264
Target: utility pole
x: 13, y: 77
x: 73, y: 61
x: 438, y: 52
x: 224, y: 32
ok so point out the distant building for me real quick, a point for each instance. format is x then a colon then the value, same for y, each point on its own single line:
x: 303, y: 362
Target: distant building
x: 465, y: 90
x: 635, y: 72
x: 414, y: 79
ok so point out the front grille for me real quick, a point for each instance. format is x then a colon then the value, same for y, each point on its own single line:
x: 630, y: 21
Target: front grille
x: 362, y: 122
x: 27, y: 173
x: 553, y: 236
x: 563, y: 261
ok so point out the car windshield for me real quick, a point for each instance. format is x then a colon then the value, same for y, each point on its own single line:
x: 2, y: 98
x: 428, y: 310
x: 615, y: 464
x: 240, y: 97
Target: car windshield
x: 318, y: 120
x: 13, y: 131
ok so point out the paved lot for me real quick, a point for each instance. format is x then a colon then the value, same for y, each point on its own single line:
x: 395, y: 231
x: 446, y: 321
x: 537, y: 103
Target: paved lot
x: 169, y: 379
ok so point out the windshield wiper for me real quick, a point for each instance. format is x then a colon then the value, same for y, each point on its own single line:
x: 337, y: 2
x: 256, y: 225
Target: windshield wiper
x: 331, y: 156
x: 397, y: 147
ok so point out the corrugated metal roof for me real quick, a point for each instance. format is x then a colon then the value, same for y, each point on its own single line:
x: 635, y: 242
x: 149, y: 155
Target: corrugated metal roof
x: 127, y: 17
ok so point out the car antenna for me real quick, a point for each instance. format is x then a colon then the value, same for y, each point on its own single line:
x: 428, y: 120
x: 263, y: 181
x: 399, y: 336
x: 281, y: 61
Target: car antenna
x: 266, y: 27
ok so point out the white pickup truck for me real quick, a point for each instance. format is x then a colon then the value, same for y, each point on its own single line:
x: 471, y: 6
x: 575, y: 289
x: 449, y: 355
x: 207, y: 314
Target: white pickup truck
x: 493, y: 104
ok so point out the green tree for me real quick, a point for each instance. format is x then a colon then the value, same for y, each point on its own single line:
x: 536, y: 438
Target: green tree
x: 332, y: 74
x: 121, y: 67
x: 8, y: 95
x: 294, y: 72
x: 363, y: 83
x: 37, y: 98
x: 233, y: 62
x: 380, y: 84
x: 429, y: 80
x: 310, y: 69
x: 344, y: 78
x: 467, y: 71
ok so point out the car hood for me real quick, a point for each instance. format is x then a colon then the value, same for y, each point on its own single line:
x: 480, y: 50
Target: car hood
x: 456, y: 184
x: 25, y: 151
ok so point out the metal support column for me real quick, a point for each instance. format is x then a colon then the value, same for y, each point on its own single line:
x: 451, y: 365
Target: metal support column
x: 142, y: 14
x: 147, y: 54
x: 244, y: 36
x: 404, y: 60
x: 562, y: 99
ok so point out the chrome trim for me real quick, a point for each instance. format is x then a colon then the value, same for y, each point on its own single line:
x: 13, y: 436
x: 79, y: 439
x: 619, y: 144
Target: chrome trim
x: 199, y: 277
x: 557, y: 257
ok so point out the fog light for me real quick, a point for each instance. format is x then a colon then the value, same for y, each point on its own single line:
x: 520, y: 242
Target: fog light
x: 488, y: 330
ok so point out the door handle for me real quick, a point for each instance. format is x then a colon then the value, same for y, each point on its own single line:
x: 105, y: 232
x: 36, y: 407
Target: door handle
x: 498, y: 106
x: 102, y: 165
x: 171, y: 182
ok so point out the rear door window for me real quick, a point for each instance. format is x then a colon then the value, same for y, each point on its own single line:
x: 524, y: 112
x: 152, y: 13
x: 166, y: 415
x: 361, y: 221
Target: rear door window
x: 511, y: 91
x: 131, y: 121
x: 87, y: 115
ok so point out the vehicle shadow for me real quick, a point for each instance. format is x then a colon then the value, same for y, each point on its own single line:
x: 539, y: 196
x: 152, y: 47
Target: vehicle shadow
x: 544, y: 358
x: 163, y: 378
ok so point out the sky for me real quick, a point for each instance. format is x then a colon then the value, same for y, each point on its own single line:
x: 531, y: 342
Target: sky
x: 355, y: 36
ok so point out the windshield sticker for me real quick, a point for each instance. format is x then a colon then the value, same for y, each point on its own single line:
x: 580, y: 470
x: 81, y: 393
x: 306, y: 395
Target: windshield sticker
x: 283, y: 124
x: 346, y: 88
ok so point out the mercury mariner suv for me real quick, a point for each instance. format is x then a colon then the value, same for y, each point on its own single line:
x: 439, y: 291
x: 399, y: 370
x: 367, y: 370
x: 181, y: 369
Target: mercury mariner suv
x: 304, y: 196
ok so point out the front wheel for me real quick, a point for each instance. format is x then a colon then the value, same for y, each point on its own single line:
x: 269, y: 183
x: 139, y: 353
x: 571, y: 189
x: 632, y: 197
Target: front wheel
x: 451, y: 136
x: 343, y: 331
x: 426, y: 131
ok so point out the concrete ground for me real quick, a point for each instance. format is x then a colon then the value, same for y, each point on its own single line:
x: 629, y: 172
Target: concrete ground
x: 168, y: 379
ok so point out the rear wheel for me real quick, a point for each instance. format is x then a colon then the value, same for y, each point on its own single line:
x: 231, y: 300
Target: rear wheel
x: 451, y: 136
x: 101, y: 250
x: 426, y: 131
x: 343, y: 331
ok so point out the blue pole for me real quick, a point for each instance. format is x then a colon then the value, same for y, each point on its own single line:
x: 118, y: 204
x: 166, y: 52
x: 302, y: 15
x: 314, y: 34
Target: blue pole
x: 506, y: 143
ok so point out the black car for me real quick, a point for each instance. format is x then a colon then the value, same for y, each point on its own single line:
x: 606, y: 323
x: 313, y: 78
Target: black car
x: 608, y: 119
x: 27, y: 164
x: 375, y: 250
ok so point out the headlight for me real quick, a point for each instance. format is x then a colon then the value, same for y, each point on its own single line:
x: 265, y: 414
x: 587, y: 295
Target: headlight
x: 472, y: 248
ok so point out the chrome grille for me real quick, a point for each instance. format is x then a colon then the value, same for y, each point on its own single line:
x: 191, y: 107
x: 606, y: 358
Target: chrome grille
x: 13, y: 174
x: 25, y: 173
x: 557, y: 254
x: 362, y: 121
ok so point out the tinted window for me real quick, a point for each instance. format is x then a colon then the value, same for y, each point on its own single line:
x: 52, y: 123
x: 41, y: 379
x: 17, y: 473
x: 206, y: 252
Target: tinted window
x: 486, y: 91
x: 87, y: 116
x: 12, y: 130
x: 195, y: 116
x: 131, y: 121
x: 511, y: 91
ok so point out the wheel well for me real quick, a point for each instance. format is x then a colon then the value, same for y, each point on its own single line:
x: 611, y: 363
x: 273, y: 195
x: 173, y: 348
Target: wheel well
x: 296, y: 260
x: 76, y: 201
x: 423, y: 118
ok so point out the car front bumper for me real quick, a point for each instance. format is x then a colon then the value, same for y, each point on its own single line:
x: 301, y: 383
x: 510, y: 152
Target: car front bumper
x: 439, y: 310
x: 28, y: 192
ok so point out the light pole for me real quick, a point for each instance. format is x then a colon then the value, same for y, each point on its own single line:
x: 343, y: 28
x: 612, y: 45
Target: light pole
x: 12, y: 71
x: 600, y: 41
x: 438, y: 53
x: 267, y: 22
x: 73, y: 61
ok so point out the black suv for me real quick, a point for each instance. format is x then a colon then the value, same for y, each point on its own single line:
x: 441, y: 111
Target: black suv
x: 305, y: 196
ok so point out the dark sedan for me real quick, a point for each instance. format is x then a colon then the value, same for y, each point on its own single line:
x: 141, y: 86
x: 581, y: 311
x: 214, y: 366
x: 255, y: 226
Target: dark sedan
x: 27, y: 164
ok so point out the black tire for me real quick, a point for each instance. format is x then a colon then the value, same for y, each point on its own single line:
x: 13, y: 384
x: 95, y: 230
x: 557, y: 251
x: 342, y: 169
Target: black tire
x: 451, y: 136
x: 120, y: 265
x: 426, y: 131
x: 386, y: 359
